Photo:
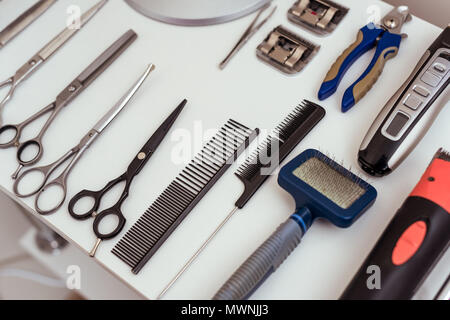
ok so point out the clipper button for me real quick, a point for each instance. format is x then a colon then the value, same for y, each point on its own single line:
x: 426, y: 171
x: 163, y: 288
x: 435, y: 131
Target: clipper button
x: 412, y: 102
x: 439, y: 67
x: 421, y: 91
x: 431, y: 79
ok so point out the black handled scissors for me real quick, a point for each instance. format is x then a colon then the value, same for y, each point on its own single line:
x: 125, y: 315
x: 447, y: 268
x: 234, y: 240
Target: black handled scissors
x: 133, y: 170
x: 78, y: 85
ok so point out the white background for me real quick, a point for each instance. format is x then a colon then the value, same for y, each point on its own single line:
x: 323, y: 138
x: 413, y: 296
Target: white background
x: 247, y: 91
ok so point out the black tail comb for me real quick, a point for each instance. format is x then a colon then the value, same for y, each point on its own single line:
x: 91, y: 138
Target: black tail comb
x: 153, y: 228
x: 270, y: 153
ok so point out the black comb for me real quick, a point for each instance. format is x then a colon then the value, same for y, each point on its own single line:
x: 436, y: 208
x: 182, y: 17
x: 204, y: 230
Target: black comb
x: 269, y: 154
x: 277, y: 147
x: 153, y: 228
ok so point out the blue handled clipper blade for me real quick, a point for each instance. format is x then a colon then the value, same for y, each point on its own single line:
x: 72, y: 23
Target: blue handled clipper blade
x: 324, y: 189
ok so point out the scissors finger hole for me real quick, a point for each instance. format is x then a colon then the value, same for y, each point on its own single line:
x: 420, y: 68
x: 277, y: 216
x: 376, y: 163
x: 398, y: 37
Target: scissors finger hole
x: 29, y: 152
x: 30, y: 183
x: 7, y: 135
x: 84, y: 205
x: 108, y: 225
x: 51, y: 198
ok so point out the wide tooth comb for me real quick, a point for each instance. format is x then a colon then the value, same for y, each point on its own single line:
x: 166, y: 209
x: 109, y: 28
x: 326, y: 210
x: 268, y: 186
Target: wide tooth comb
x: 284, y: 139
x: 153, y: 228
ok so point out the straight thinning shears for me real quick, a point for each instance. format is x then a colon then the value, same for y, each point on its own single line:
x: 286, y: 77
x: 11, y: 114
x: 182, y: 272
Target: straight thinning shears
x: 39, y: 58
x: 386, y: 39
x: 133, y: 170
x: 72, y: 157
x: 30, y: 152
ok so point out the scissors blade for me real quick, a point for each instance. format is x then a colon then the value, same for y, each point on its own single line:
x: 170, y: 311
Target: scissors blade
x: 23, y: 21
x: 107, y: 58
x: 112, y: 114
x: 159, y: 135
x: 68, y: 32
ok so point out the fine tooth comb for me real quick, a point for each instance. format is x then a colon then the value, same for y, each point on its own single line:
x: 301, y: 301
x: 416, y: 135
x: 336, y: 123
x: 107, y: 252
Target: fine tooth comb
x: 321, y: 188
x: 263, y: 162
x: 158, y: 222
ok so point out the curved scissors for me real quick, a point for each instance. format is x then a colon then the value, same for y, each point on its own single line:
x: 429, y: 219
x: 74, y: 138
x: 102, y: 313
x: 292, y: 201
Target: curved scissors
x: 133, y: 170
x: 78, y: 85
x: 39, y: 58
x: 73, y: 155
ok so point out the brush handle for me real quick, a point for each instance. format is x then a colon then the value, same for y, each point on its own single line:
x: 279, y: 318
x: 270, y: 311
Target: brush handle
x: 262, y: 263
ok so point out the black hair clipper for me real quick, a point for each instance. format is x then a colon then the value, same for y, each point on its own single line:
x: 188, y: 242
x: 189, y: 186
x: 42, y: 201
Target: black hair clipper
x: 410, y: 112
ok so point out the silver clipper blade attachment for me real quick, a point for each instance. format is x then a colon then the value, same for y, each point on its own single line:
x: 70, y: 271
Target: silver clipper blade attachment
x: 318, y: 16
x: 286, y: 51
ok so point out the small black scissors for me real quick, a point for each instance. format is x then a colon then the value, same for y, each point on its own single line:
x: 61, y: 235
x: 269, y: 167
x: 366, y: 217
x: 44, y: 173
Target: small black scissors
x: 133, y: 170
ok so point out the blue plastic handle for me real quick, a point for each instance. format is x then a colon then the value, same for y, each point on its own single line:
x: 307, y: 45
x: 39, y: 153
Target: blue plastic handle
x: 366, y: 40
x: 387, y: 48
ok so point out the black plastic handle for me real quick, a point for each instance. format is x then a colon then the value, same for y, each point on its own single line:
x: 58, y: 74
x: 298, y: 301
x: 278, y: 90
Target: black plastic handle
x: 401, y: 281
x: 114, y: 211
x: 96, y: 196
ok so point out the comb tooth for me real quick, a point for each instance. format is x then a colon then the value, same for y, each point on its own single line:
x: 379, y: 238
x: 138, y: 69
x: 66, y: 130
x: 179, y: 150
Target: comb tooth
x: 239, y: 125
x: 208, y: 163
x: 235, y: 132
x: 201, y: 174
x: 218, y: 158
x: 225, y: 152
x: 157, y: 223
x: 182, y: 191
x: 173, y: 205
x: 188, y: 184
x: 233, y: 144
x: 206, y: 173
x: 195, y: 176
x: 205, y: 167
x: 170, y: 191
x: 224, y: 142
x: 232, y: 135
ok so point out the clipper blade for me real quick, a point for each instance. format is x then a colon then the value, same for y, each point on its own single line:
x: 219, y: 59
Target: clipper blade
x: 286, y: 51
x: 318, y: 16
x: 443, y: 155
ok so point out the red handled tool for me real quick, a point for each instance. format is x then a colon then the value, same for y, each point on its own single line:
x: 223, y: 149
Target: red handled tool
x: 413, y: 242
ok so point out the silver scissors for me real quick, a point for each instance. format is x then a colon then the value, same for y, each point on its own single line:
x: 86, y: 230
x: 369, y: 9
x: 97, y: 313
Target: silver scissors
x: 23, y: 21
x: 73, y: 155
x: 248, y: 34
x: 78, y: 85
x: 39, y: 58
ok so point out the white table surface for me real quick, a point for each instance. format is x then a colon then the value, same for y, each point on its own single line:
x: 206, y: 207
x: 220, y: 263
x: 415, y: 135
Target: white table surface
x: 248, y: 91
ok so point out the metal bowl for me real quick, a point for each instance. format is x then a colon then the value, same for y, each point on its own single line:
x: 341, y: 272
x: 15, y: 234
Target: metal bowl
x: 196, y: 12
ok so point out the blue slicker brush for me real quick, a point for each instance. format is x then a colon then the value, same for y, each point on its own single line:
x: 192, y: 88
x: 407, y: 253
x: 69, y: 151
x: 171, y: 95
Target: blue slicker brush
x: 322, y: 189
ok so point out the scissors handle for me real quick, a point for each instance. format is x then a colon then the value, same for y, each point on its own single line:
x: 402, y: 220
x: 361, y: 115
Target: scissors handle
x: 113, y: 211
x: 94, y: 195
x: 59, y: 182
